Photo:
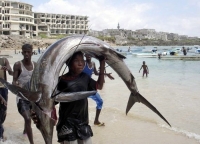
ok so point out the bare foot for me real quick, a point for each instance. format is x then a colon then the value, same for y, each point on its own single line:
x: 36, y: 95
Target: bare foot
x: 99, y: 124
x: 3, y: 139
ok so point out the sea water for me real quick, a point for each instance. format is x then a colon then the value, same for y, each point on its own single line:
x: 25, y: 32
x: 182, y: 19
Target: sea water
x: 172, y: 86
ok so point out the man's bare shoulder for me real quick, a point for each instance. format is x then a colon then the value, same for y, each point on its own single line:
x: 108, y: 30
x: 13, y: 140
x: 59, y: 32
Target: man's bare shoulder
x: 17, y: 64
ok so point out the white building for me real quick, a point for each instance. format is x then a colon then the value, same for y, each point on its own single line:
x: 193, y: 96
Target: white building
x: 50, y: 24
x: 146, y: 33
x: 17, y: 18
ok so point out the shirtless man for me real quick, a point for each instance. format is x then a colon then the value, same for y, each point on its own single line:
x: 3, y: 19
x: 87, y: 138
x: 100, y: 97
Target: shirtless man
x: 145, y: 69
x: 22, y: 73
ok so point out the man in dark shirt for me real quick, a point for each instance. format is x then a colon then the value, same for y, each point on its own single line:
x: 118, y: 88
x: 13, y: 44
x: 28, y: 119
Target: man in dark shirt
x: 73, y: 124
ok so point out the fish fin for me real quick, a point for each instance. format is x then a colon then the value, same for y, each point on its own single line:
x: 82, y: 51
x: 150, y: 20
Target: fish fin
x: 139, y: 98
x: 21, y: 92
x: 73, y: 96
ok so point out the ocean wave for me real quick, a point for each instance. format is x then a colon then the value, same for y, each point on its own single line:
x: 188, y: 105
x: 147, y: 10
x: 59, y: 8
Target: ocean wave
x: 183, y: 132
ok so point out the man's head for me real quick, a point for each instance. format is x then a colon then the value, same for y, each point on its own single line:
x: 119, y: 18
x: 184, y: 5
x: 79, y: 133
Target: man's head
x: 88, y: 57
x: 76, y: 63
x: 27, y: 51
x: 143, y: 62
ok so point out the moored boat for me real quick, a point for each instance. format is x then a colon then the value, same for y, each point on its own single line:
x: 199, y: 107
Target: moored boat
x: 180, y: 57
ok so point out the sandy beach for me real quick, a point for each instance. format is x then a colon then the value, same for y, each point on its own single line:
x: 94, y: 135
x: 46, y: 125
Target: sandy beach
x: 141, y: 125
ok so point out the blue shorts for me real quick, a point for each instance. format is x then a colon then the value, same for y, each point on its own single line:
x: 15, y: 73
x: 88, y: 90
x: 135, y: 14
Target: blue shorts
x: 97, y: 98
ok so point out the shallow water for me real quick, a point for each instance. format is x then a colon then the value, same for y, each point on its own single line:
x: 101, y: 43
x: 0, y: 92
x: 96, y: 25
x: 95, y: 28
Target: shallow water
x: 172, y: 87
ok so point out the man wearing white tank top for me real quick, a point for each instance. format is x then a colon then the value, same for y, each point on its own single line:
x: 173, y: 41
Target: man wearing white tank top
x: 22, y: 73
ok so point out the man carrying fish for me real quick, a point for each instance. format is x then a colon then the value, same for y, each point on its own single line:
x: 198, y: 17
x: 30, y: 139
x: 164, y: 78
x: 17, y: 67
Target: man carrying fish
x: 22, y: 73
x: 41, y: 89
x: 73, y: 124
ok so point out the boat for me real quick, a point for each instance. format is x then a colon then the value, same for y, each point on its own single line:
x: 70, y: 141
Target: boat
x: 197, y: 51
x: 130, y: 51
x: 180, y: 57
x: 154, y: 50
x: 175, y: 51
x: 145, y: 54
x: 123, y: 52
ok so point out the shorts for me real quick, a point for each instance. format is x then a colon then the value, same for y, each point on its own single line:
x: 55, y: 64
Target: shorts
x: 23, y: 105
x: 4, y: 94
x: 87, y: 141
x: 97, y: 98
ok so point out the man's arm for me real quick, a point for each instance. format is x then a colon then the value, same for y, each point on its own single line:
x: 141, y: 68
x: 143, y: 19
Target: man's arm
x: 16, y: 73
x: 140, y: 68
x: 95, y: 69
x: 2, y: 100
x: 100, y: 80
x: 96, y: 72
x: 7, y: 67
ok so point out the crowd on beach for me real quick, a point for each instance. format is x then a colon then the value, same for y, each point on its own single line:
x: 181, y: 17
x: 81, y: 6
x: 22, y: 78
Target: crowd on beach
x: 73, y: 115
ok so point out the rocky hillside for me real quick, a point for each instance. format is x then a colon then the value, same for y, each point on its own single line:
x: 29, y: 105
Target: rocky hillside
x: 16, y: 42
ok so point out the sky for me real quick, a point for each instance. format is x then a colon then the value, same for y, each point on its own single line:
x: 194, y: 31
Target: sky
x: 174, y: 16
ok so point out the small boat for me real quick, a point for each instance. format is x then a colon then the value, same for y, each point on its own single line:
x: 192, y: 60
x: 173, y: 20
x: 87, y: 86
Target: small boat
x: 145, y: 54
x: 123, y: 52
x: 176, y: 50
x: 154, y: 50
x: 173, y: 51
x: 197, y: 51
x: 180, y: 57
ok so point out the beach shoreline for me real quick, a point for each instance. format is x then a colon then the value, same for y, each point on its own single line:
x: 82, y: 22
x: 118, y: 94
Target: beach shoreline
x: 173, y: 91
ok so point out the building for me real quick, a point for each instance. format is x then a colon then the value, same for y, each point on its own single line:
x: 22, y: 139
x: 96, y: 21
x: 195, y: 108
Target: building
x: 95, y: 33
x: 183, y: 37
x: 146, y: 33
x: 173, y: 36
x: 50, y: 24
x: 17, y: 18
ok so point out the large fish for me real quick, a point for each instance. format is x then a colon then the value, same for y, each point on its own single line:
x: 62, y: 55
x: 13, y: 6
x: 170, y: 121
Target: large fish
x: 40, y: 89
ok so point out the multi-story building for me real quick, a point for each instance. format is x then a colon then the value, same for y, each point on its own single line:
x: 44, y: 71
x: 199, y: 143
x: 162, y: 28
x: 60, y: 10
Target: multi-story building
x: 50, y: 24
x: 17, y: 18
x: 173, y: 36
x: 96, y: 33
x: 146, y: 33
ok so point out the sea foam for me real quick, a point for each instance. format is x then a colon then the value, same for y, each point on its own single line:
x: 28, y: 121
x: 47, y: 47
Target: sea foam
x: 183, y: 132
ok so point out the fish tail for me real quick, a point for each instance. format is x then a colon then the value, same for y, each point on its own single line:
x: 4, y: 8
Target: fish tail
x: 139, y: 98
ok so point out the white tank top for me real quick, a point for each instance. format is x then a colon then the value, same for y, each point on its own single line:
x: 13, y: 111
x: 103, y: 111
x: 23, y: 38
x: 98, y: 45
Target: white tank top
x: 24, y: 76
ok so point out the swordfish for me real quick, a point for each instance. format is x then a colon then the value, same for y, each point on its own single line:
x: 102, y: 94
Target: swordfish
x: 40, y: 90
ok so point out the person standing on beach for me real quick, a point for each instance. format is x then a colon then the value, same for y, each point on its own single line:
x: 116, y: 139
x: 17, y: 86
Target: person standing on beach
x: 145, y: 69
x: 22, y: 73
x: 73, y: 124
x: 89, y: 69
x: 4, y: 66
